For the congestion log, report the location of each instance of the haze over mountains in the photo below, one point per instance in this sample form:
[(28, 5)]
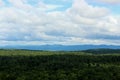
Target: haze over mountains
[(62, 47)]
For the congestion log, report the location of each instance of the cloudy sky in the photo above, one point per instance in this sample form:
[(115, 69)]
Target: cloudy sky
[(66, 22)]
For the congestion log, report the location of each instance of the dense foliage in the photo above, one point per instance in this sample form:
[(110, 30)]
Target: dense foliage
[(45, 65), (103, 51)]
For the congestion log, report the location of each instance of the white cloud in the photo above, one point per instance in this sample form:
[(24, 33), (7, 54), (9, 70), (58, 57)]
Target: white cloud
[(85, 10), (1, 3), (21, 4), (82, 23), (109, 1), (47, 7)]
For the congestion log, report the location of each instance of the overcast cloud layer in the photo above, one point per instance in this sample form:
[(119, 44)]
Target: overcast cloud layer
[(66, 22)]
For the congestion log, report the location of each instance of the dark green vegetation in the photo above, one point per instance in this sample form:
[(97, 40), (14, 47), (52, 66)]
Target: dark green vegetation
[(103, 51), (48, 65)]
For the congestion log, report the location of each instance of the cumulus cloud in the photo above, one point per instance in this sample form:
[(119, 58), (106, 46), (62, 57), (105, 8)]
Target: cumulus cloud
[(85, 10), (25, 24), (109, 1)]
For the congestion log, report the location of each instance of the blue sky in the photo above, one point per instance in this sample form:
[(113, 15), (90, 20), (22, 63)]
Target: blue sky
[(113, 7), (65, 22)]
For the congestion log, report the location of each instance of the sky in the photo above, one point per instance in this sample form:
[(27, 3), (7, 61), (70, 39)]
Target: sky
[(64, 22)]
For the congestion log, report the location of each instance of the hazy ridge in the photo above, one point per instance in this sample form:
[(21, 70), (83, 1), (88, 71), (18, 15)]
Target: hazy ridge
[(61, 47)]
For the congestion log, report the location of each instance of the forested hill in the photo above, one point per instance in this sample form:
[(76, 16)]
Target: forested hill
[(59, 65), (102, 51), (47, 52)]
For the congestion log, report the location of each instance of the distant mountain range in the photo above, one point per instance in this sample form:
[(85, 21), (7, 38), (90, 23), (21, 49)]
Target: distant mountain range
[(62, 47)]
